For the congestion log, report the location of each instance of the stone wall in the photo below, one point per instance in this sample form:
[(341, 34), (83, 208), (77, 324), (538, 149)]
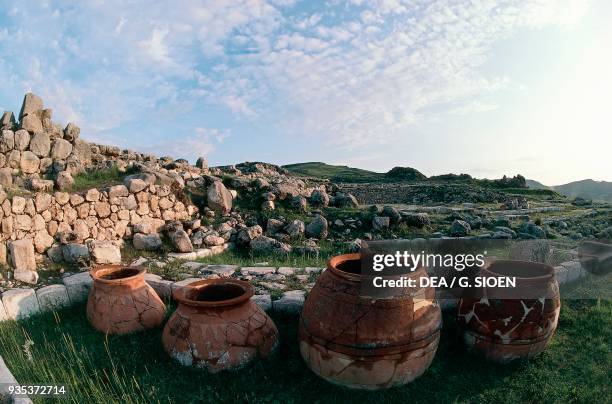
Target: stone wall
[(55, 222)]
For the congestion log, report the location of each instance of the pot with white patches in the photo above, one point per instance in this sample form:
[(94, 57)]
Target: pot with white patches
[(507, 323), (121, 302), (362, 342), (217, 326)]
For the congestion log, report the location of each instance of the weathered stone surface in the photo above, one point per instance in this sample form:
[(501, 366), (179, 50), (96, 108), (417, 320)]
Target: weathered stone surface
[(460, 228), (295, 229), (22, 140), (264, 245), (31, 104), (64, 180), (75, 253), (181, 241), (22, 255), (135, 185), (52, 297), (40, 144), (8, 120), (287, 271), (78, 286), (263, 301), (147, 242), (291, 302), (219, 198), (38, 185), (317, 228), (162, 287), (105, 252), (257, 271), (380, 223), (71, 132), (224, 271), (202, 163), (117, 191), (92, 195), (32, 123), (6, 177), (42, 241), (319, 198), (61, 149), (20, 303)]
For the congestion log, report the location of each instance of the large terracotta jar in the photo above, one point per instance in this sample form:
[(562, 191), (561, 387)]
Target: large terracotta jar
[(217, 326), (507, 323), (121, 302), (364, 342)]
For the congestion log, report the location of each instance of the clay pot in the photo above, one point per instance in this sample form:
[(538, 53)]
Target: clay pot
[(217, 326), (503, 329), (362, 342), (121, 302)]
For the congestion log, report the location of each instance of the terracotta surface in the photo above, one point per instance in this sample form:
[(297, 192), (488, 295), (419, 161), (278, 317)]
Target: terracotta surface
[(506, 329), (366, 343), (217, 327), (121, 302)]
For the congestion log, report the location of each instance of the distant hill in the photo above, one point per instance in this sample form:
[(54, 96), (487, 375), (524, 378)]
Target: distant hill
[(587, 189), (536, 185), (334, 173)]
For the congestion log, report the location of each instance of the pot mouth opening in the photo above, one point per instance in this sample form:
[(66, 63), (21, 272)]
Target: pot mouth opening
[(521, 269), (350, 266), (216, 292), (119, 273)]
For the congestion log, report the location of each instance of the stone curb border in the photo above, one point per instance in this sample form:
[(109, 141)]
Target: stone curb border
[(6, 377), (21, 303)]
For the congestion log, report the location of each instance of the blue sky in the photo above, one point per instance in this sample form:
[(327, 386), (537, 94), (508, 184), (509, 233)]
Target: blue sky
[(483, 87)]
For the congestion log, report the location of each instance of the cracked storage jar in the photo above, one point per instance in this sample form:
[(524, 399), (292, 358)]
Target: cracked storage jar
[(121, 302), (364, 342), (505, 324), (217, 326)]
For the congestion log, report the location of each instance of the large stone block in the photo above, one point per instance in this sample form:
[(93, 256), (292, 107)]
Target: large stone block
[(291, 302), (162, 287), (105, 252), (22, 255), (78, 286), (53, 297), (20, 303)]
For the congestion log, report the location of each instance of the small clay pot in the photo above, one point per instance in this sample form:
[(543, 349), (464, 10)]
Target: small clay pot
[(504, 324), (363, 342), (217, 326), (121, 302)]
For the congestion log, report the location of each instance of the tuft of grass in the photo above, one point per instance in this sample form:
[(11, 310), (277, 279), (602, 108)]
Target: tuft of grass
[(97, 179)]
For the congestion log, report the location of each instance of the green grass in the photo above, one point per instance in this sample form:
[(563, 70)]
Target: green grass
[(334, 173), (135, 368), (97, 179)]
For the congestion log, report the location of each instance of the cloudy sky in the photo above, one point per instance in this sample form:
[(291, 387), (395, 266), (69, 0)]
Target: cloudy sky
[(476, 86)]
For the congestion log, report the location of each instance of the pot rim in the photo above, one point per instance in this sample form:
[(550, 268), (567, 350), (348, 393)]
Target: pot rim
[(180, 294), (96, 273), (550, 271), (332, 266)]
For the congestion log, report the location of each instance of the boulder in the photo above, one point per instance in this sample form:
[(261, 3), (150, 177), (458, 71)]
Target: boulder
[(117, 191), (290, 302), (317, 228), (319, 198), (7, 141), (105, 252), (202, 163), (71, 132), (418, 220), (219, 198), (295, 229), (39, 185), (7, 121), (6, 177), (244, 236), (42, 241), (78, 286), (392, 213), (266, 245), (53, 297), (380, 223), (22, 255), (147, 242), (29, 163), (32, 123), (75, 253), (61, 149), (180, 240), (267, 206), (20, 303), (40, 144), (31, 104), (342, 200), (22, 140), (64, 180), (135, 185), (460, 228)]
